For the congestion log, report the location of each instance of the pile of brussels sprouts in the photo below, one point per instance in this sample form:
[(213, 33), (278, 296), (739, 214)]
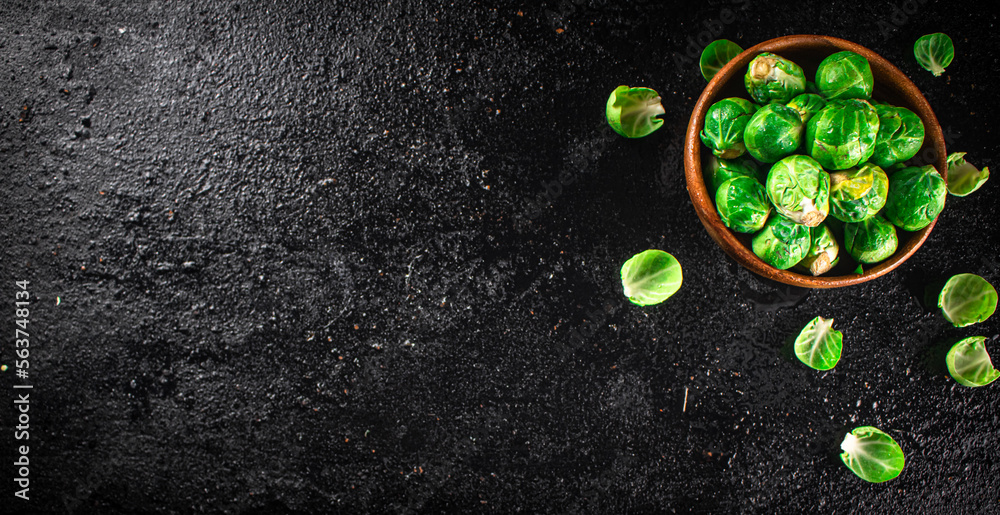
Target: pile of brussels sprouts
[(834, 177)]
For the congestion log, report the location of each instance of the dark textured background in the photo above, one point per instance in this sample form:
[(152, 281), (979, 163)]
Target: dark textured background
[(305, 262)]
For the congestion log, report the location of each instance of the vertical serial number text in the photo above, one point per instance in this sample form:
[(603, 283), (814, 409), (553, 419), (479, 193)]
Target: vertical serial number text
[(22, 344)]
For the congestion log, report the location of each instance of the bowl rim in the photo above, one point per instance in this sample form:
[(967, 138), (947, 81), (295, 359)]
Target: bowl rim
[(705, 206)]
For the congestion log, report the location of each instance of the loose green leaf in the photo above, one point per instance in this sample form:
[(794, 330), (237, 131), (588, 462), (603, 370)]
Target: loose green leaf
[(970, 364), (934, 52), (819, 344), (963, 177), (651, 277), (632, 112), (859, 270), (967, 299), (716, 55), (871, 454)]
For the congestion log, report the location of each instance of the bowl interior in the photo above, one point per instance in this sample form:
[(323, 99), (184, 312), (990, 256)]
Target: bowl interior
[(891, 86)]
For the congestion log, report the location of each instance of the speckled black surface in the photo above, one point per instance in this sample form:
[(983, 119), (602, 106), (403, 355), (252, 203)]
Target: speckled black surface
[(316, 257)]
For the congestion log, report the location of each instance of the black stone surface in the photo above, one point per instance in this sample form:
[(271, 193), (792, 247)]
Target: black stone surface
[(291, 257)]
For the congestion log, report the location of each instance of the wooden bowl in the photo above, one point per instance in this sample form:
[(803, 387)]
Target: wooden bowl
[(891, 86)]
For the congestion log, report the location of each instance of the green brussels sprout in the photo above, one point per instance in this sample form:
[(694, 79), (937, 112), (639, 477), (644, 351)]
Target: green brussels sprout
[(916, 197), (824, 251), (742, 204), (721, 170), (724, 123), (773, 132), (842, 134), (934, 52), (871, 240), (807, 104), (782, 243), (799, 188), (716, 55), (845, 75), (900, 135), (858, 193), (819, 345), (633, 112), (772, 78), (811, 87)]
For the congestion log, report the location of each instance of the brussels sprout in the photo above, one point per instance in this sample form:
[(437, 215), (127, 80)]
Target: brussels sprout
[(967, 299), (819, 344), (632, 112), (742, 204), (773, 132), (963, 177), (872, 455), (824, 252), (858, 193), (900, 135), (842, 134), (799, 188), (721, 170), (916, 197), (807, 104), (934, 52), (845, 75), (724, 124), (970, 364), (871, 240), (716, 55), (772, 78), (650, 277), (811, 87), (781, 243)]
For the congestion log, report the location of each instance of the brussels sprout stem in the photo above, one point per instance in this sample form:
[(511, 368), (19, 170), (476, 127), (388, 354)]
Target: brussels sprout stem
[(811, 216), (850, 444), (821, 265), (762, 68)]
